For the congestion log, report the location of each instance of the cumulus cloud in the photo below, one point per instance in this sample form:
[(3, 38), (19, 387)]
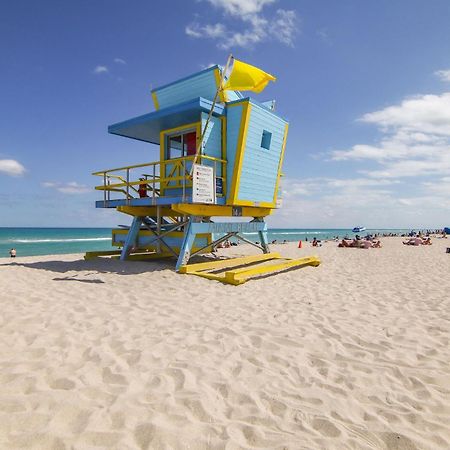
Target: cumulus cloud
[(11, 167), (415, 139), (250, 24), (119, 61), (67, 188), (424, 114), (100, 69)]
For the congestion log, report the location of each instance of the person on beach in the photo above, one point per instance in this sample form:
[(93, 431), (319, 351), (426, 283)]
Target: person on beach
[(12, 253), (413, 241)]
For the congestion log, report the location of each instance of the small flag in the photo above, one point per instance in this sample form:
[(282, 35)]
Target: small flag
[(245, 77)]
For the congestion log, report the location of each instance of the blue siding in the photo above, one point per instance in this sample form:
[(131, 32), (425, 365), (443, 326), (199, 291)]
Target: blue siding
[(202, 84), (212, 141), (234, 115), (260, 166)]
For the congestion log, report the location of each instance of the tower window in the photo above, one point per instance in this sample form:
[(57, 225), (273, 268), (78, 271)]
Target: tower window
[(265, 140), (179, 145)]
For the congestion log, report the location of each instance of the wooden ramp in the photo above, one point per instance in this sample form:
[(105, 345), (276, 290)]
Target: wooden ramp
[(239, 270)]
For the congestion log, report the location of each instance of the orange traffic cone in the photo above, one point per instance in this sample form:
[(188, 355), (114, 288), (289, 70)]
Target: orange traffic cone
[(299, 244)]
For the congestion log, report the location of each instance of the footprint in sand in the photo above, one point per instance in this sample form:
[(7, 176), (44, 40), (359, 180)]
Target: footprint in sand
[(62, 383), (143, 435), (326, 428), (113, 378)]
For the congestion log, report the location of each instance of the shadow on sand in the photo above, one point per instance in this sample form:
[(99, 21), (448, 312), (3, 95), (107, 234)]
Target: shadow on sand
[(97, 266), (102, 265)]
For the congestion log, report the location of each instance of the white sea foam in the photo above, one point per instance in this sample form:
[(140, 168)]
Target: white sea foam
[(38, 241), (271, 232)]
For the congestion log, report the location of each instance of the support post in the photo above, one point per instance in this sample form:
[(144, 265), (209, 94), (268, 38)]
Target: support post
[(188, 242), (263, 239), (131, 237), (158, 227)]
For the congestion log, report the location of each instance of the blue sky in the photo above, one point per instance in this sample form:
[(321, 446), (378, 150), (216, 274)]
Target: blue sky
[(365, 86)]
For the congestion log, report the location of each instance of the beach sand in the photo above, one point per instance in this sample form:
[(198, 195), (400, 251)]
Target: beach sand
[(107, 355)]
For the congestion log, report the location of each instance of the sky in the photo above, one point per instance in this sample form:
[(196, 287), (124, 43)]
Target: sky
[(365, 86)]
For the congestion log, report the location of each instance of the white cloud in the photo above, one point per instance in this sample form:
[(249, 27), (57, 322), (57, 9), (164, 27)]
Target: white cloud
[(241, 7), (67, 188), (440, 187), (100, 69), (423, 114), (284, 27), (444, 75), (255, 27), (11, 167), (346, 202), (119, 61), (415, 139), (210, 31), (194, 30)]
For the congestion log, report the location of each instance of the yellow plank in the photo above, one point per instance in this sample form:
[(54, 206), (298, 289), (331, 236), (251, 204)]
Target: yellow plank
[(92, 255), (241, 275), (142, 211), (145, 256), (224, 263), (218, 210)]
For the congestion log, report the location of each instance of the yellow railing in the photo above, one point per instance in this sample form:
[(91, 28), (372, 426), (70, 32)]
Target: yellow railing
[(159, 177)]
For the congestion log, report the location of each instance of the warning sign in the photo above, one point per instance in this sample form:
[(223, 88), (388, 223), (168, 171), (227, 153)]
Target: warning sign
[(203, 184)]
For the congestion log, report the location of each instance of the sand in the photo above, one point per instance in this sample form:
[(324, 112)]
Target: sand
[(109, 355)]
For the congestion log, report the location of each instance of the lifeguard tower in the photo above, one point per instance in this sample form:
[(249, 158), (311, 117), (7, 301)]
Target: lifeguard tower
[(220, 156)]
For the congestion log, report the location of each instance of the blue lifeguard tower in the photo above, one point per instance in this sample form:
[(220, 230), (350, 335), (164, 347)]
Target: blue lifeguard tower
[(220, 156)]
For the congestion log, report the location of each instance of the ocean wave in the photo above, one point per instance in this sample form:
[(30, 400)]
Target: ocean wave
[(40, 241)]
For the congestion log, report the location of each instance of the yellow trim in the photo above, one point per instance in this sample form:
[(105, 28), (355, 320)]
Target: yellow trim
[(240, 149), (142, 211), (192, 209), (254, 204), (223, 121), (162, 144), (155, 100), (280, 164), (222, 94)]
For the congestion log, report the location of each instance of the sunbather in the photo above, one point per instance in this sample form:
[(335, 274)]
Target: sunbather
[(413, 241)]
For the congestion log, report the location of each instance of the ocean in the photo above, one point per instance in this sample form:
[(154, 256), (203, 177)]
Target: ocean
[(52, 241)]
